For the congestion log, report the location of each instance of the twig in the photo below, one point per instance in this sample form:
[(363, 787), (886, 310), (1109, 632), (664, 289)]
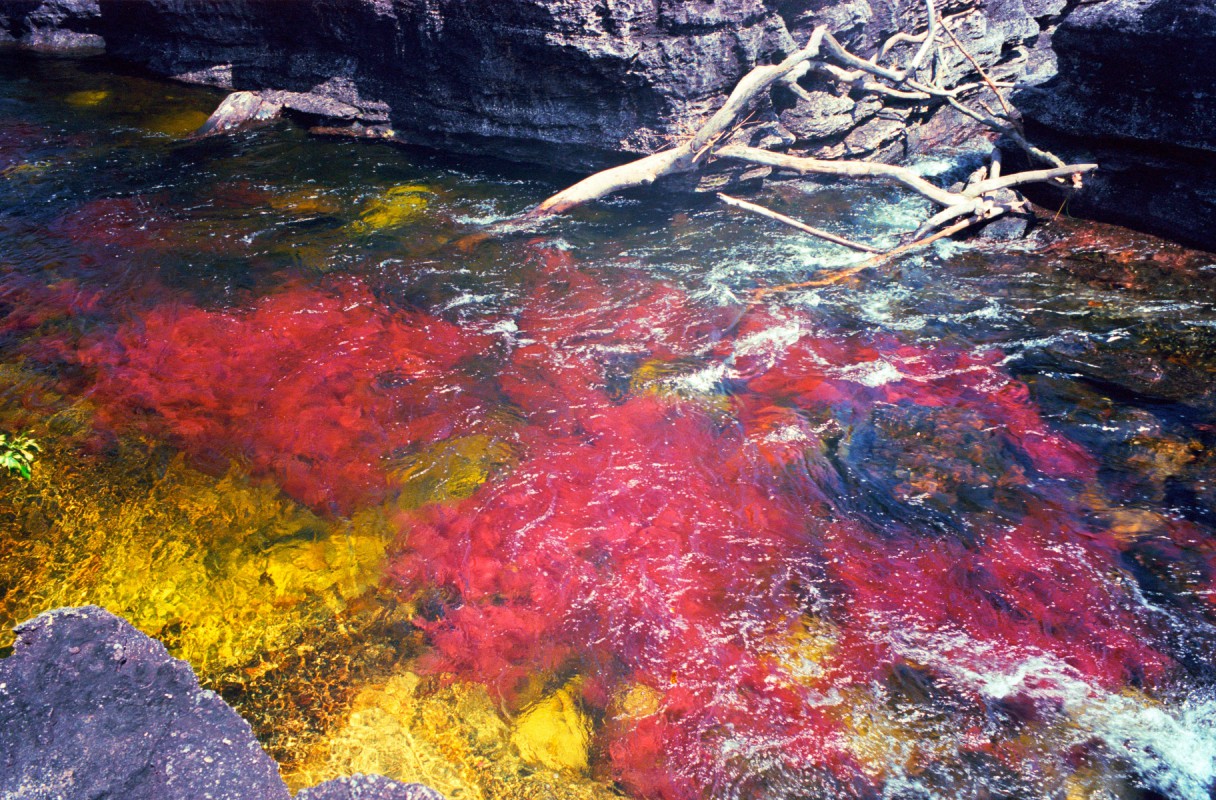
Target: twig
[(881, 258), (979, 69), (793, 223)]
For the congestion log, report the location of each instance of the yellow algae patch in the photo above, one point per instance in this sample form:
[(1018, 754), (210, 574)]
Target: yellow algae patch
[(638, 702), (555, 732), (452, 737), (450, 470), (177, 123), (804, 653), (392, 209), (87, 98), (25, 169), (221, 569), (305, 203)]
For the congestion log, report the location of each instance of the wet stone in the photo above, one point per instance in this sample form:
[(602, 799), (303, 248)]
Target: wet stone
[(91, 707), (368, 787), (935, 466)]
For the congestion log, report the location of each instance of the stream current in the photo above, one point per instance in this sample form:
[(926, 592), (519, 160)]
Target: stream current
[(572, 514)]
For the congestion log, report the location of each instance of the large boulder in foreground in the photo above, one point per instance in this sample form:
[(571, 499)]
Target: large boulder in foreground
[(91, 708)]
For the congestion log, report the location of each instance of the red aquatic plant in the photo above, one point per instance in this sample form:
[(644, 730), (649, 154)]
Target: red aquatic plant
[(640, 535), (313, 387), (127, 224), (651, 539)]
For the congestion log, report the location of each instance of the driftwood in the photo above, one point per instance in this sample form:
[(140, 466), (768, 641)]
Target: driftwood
[(981, 200), (793, 223)]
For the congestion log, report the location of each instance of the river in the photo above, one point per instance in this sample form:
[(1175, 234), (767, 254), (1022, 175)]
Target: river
[(577, 513)]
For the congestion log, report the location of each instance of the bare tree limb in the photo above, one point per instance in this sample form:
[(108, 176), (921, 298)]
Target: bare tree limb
[(878, 260), (1032, 176), (974, 203), (793, 223), (804, 165), (946, 215), (928, 44), (684, 157), (642, 172), (976, 65), (749, 89)]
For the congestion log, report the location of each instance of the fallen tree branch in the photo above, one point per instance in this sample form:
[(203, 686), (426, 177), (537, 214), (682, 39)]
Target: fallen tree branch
[(1031, 176), (686, 156), (841, 274), (973, 204), (980, 70), (805, 165), (793, 223)]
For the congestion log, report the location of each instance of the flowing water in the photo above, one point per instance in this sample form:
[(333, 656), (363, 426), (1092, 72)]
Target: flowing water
[(573, 514)]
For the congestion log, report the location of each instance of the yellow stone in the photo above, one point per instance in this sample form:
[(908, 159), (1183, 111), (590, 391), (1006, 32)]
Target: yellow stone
[(177, 124), (451, 736), (392, 209), (87, 98), (639, 701), (555, 732)]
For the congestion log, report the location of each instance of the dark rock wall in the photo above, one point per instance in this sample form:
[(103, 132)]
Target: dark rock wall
[(584, 83), (574, 83), (1136, 92)]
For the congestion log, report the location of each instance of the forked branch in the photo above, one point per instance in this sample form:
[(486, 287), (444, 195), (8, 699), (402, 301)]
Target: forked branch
[(823, 52)]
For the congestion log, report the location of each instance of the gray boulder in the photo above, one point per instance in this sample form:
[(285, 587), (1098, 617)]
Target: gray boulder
[(92, 708)]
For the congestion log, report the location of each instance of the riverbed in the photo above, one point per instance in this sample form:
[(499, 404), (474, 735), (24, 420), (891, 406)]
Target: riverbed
[(579, 512)]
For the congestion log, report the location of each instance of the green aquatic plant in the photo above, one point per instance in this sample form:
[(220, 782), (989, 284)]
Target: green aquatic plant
[(17, 453)]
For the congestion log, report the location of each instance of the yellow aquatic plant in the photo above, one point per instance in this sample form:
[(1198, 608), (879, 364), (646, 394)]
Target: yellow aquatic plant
[(222, 569), (456, 738), (392, 209), (450, 470)]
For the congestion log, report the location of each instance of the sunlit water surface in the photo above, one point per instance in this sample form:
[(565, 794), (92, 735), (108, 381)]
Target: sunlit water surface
[(569, 514)]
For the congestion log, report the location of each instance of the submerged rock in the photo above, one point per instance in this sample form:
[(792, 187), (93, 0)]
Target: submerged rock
[(91, 707), (368, 787)]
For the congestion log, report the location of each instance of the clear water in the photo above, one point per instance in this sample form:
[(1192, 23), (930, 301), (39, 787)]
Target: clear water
[(573, 514)]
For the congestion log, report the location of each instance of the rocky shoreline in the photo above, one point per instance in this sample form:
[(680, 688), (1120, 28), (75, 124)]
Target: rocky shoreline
[(581, 84)]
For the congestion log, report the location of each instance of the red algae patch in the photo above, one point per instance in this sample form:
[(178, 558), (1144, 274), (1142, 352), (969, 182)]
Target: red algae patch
[(313, 387)]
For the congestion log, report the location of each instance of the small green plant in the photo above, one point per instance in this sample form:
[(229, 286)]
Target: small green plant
[(17, 453)]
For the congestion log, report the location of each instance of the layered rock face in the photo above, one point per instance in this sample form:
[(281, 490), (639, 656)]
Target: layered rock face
[(570, 83), (581, 84), (1136, 91)]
